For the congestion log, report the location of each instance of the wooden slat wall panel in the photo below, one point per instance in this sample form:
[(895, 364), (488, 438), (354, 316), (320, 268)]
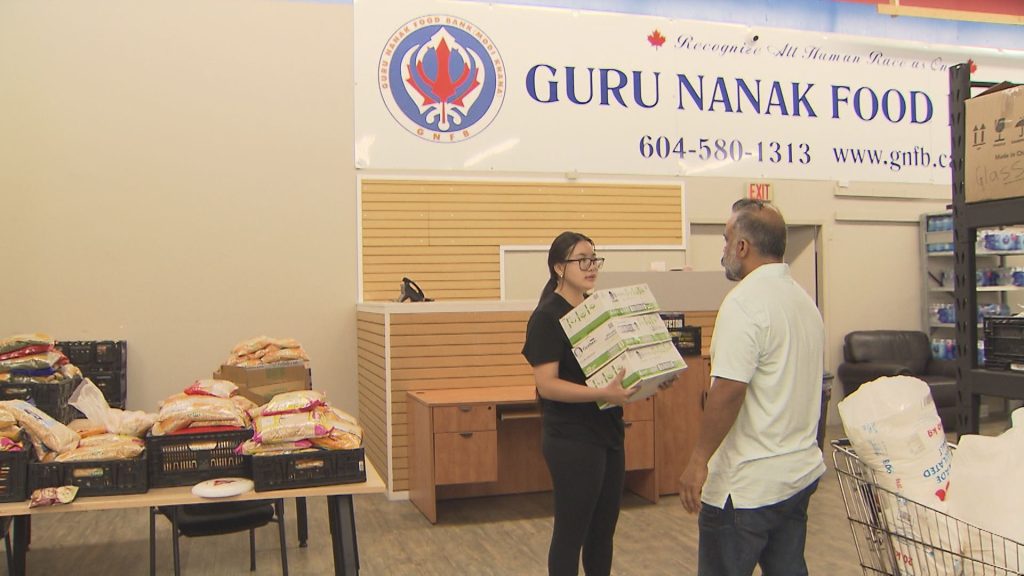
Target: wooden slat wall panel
[(446, 235), (372, 380)]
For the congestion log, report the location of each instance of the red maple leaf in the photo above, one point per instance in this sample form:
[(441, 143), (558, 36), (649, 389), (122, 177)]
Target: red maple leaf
[(656, 39)]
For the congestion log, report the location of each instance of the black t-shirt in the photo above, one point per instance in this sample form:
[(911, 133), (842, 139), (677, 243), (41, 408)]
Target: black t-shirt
[(546, 342)]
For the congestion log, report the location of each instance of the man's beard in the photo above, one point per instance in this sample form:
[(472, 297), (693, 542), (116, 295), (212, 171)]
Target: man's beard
[(732, 269)]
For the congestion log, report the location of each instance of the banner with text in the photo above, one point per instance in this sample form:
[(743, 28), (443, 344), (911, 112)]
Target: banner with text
[(465, 86)]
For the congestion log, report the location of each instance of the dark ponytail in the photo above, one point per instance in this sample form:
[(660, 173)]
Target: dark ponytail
[(561, 248)]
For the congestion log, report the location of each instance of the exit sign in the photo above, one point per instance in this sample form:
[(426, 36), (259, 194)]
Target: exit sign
[(760, 191)]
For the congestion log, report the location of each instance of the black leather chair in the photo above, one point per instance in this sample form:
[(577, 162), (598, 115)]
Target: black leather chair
[(871, 354), (197, 520)]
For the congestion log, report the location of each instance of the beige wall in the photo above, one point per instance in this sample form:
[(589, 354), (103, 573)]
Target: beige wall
[(870, 253), (179, 174)]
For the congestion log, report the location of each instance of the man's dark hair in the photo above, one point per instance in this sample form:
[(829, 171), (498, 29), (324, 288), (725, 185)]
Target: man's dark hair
[(761, 224)]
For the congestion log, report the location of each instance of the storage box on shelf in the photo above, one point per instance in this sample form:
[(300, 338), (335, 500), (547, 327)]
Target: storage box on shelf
[(1004, 343), (51, 398), (97, 478), (1000, 274), (186, 459), (13, 476), (320, 468), (991, 162), (105, 362)]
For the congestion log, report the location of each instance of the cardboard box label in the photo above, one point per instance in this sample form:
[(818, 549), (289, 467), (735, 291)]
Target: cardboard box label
[(994, 155), (602, 305), (646, 368), (617, 335)]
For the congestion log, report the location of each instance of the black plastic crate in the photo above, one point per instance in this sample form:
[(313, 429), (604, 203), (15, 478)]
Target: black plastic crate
[(97, 478), (101, 354), (114, 385), (51, 398), (186, 459), (13, 476), (1004, 343), (303, 469)]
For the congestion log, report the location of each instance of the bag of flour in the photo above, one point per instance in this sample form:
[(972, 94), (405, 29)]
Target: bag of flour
[(896, 431)]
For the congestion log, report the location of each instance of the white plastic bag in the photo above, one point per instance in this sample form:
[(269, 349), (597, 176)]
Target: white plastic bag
[(986, 493), (90, 401), (895, 429)]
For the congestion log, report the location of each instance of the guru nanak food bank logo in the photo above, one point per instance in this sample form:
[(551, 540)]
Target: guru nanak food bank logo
[(442, 78)]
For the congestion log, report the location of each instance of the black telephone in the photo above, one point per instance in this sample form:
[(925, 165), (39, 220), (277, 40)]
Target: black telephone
[(412, 293)]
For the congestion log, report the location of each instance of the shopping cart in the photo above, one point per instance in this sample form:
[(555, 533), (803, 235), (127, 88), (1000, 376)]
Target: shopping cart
[(899, 537)]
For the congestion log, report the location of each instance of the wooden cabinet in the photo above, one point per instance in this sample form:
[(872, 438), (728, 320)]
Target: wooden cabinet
[(456, 443), (465, 444), (678, 416), (484, 441), (639, 420)]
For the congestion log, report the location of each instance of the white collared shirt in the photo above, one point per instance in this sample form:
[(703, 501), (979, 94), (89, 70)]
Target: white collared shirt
[(768, 334)]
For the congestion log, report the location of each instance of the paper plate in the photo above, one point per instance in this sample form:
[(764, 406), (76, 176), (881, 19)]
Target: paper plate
[(222, 487)]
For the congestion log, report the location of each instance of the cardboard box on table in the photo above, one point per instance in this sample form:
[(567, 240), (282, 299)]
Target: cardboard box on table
[(994, 144), (646, 368), (261, 383)]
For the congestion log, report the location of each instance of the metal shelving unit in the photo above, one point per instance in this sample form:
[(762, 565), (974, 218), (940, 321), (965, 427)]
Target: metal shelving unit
[(967, 220), (938, 286)]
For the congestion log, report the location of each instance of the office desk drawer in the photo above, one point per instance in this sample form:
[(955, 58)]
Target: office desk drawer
[(465, 457), (640, 445), (464, 418)]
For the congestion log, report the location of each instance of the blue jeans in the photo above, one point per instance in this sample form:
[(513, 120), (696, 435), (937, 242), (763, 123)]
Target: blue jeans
[(733, 541)]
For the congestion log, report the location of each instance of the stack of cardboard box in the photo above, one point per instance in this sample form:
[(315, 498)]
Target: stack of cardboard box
[(620, 329)]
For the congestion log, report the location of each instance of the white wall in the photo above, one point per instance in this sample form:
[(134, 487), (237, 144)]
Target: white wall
[(870, 253), (179, 174)]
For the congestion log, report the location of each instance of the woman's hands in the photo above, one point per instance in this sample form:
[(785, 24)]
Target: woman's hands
[(614, 393)]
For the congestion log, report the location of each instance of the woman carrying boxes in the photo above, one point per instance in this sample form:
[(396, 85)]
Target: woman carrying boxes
[(582, 444)]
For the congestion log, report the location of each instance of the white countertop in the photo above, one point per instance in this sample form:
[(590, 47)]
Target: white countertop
[(447, 306)]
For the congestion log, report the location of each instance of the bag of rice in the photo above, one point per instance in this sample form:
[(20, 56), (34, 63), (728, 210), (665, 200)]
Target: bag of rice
[(895, 429), (42, 427)]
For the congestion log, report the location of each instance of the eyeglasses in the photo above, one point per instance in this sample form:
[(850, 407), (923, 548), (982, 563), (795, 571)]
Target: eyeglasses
[(588, 263)]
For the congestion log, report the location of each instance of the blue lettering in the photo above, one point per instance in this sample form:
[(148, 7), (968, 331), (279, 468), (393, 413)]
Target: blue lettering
[(720, 96), (743, 90), (836, 98), (800, 99), (638, 90), (616, 89), (531, 84), (914, 118), (776, 99), (887, 108), (697, 98), (858, 103), (570, 85)]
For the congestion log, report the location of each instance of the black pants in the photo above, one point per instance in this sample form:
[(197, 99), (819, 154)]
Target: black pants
[(588, 481)]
